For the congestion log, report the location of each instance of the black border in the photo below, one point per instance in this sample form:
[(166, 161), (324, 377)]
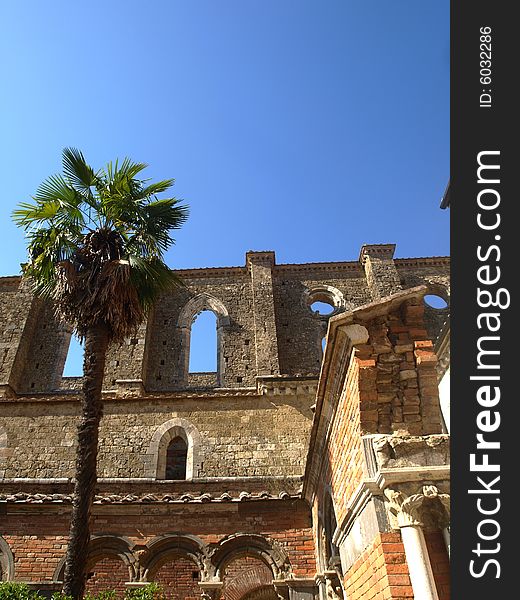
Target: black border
[(475, 129)]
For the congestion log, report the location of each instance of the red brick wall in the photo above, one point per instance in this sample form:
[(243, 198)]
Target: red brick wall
[(440, 563), (345, 468), (38, 539), (109, 573), (179, 579), (380, 572)]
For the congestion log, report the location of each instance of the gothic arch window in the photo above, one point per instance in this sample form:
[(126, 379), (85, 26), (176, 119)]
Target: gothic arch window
[(188, 314), (175, 449), (176, 458), (73, 365), (203, 343)]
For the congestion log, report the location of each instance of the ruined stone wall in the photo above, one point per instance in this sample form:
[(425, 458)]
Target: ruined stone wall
[(18, 314), (265, 325)]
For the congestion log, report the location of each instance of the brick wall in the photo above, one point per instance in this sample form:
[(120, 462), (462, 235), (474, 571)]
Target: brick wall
[(38, 536), (107, 573), (244, 575), (178, 577), (381, 572), (398, 387), (440, 562)]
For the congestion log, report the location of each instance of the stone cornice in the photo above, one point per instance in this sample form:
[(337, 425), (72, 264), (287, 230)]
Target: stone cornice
[(204, 272), (132, 390), (427, 261), (151, 491)]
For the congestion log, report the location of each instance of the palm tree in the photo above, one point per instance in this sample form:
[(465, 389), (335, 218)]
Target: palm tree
[(96, 242)]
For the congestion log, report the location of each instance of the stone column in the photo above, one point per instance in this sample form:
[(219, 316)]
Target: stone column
[(378, 262), (421, 574), (406, 511), (260, 266)]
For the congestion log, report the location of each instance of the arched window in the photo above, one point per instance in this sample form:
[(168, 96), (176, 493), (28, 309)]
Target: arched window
[(176, 459), (203, 343), (331, 550), (202, 303), (175, 451)]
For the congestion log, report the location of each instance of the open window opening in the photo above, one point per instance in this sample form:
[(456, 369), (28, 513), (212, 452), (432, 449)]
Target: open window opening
[(176, 459), (203, 343), (74, 361)]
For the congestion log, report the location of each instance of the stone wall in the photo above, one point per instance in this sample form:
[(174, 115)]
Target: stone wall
[(265, 325), (238, 435)]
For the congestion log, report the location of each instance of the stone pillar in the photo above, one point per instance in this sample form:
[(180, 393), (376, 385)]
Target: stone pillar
[(421, 574), (260, 266), (406, 512), (447, 540), (380, 271)]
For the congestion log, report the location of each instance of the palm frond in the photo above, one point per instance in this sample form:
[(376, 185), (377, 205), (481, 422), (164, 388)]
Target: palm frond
[(157, 188), (151, 277), (78, 172), (96, 242)]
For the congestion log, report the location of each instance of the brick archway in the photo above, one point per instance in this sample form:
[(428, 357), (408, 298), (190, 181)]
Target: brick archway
[(265, 593), (245, 576)]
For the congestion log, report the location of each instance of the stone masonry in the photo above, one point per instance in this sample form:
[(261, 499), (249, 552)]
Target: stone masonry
[(239, 525)]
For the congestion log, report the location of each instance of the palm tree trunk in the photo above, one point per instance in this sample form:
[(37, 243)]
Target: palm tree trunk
[(96, 345)]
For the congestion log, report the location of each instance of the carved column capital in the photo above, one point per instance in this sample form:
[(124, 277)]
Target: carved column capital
[(139, 570), (406, 509)]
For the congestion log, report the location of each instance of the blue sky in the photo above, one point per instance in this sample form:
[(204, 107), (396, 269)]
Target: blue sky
[(304, 127)]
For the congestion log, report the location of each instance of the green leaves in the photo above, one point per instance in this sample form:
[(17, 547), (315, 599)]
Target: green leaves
[(77, 217)]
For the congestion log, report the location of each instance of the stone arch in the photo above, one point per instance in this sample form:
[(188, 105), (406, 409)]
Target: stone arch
[(241, 544), (6, 561), (105, 546), (263, 593), (250, 580), (155, 458), (189, 311), (164, 547), (324, 293)]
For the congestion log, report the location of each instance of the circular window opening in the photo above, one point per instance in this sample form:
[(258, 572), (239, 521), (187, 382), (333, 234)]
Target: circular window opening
[(322, 308), (434, 301)]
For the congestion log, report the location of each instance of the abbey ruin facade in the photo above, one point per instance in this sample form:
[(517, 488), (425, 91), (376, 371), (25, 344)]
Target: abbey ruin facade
[(291, 472)]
